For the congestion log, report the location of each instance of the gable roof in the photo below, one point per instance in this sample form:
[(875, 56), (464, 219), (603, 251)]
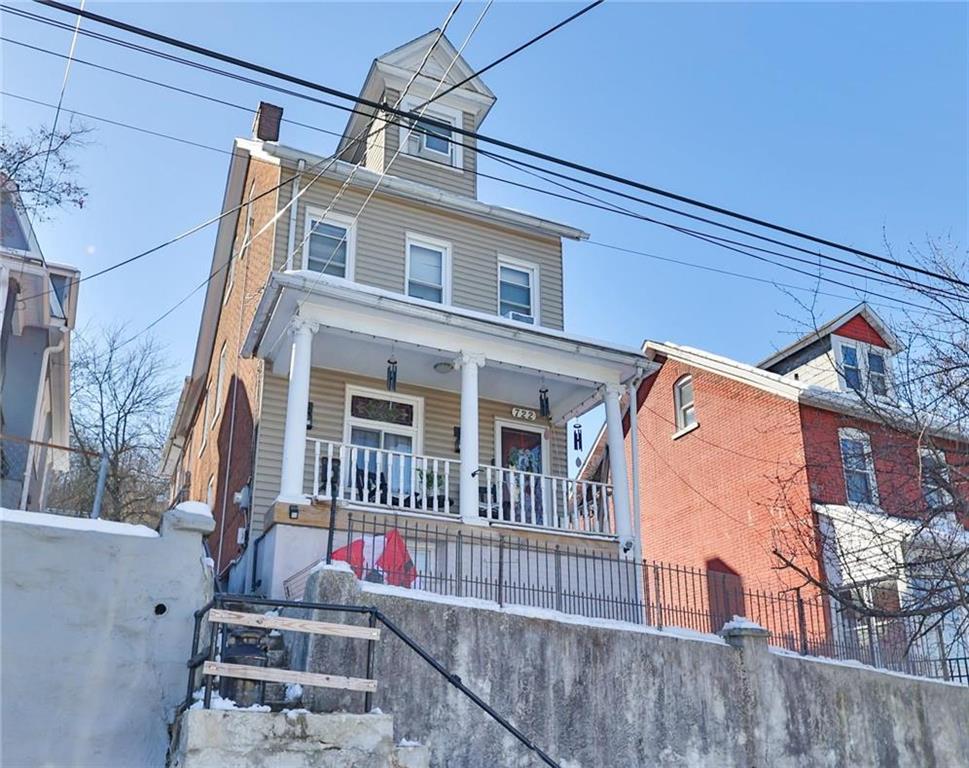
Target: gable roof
[(395, 68), (859, 311), (16, 232)]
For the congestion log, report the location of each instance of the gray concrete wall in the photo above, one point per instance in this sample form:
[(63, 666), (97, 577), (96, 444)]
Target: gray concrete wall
[(595, 695), (92, 666)]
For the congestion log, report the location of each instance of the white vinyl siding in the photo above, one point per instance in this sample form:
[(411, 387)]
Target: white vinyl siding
[(380, 242)]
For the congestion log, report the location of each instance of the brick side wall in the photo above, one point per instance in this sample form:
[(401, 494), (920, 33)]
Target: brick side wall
[(228, 445), (895, 456), (710, 497)]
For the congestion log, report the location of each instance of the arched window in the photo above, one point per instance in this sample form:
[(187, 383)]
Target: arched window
[(683, 402)]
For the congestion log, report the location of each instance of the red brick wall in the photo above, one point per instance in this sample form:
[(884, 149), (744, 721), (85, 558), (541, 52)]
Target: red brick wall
[(895, 457), (721, 495), (251, 272), (859, 329)]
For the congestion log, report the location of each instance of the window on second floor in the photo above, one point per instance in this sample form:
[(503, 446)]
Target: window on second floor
[(428, 269), (934, 472), (858, 466), (330, 243), (220, 382), (518, 291), (683, 403)]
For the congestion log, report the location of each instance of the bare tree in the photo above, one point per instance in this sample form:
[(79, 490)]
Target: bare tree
[(40, 163), (917, 535), (122, 396)]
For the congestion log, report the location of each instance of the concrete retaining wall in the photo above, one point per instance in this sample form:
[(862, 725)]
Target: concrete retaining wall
[(598, 696), (96, 627)]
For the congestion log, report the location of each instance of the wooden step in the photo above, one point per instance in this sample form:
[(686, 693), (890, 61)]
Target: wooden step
[(239, 618), (269, 675)]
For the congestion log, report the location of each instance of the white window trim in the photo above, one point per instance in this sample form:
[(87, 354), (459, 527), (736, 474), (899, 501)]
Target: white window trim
[(529, 266), (413, 238), (416, 431), (849, 433), (220, 381), (523, 427), (338, 219), (205, 420), (862, 348), (443, 114), (681, 426)]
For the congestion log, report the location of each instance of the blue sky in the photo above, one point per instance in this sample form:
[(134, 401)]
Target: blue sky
[(846, 120)]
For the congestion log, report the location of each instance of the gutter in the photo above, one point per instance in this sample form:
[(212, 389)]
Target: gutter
[(44, 365)]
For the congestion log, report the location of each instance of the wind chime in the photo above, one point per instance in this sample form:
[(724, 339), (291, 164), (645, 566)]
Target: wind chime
[(392, 372), (543, 406), (577, 436)]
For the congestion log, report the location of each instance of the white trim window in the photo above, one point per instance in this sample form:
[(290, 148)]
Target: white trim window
[(205, 421), (427, 273), (863, 367), (934, 474), (518, 290), (330, 243), (431, 141), (858, 466), (220, 382), (683, 403), (386, 420)]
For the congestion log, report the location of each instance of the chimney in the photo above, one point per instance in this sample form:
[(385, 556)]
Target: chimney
[(266, 125)]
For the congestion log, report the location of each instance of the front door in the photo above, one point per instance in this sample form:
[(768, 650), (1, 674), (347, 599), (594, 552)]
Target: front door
[(522, 450)]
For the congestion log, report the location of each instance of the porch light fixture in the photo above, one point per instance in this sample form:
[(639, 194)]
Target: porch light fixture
[(444, 366), (577, 436), (457, 439), (543, 407), (293, 512), (392, 374), (309, 416)]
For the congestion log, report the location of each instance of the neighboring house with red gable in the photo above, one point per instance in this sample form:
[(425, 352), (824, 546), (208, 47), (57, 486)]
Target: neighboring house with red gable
[(807, 455)]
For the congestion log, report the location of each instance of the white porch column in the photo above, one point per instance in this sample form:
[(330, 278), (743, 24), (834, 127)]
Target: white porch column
[(297, 402), (617, 462), (469, 363)]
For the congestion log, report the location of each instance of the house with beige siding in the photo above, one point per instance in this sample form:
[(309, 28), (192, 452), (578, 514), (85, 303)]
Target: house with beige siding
[(377, 343)]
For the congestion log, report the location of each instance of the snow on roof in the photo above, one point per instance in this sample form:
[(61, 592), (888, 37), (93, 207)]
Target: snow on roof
[(75, 523)]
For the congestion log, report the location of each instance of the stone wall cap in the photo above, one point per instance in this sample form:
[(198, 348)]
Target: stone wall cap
[(188, 516)]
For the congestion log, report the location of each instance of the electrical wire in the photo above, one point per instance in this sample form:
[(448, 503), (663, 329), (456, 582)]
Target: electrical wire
[(303, 82)]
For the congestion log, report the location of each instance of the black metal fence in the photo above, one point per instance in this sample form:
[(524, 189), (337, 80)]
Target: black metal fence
[(601, 584)]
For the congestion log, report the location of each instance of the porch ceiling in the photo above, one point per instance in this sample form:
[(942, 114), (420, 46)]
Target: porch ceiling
[(359, 328)]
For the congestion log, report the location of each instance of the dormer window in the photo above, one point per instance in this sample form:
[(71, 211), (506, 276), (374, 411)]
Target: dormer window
[(862, 367), (430, 138)]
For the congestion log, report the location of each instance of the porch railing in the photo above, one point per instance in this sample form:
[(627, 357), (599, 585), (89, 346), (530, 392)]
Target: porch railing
[(545, 501), (378, 477)]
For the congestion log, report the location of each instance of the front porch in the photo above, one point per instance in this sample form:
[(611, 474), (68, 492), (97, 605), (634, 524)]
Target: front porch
[(397, 406)]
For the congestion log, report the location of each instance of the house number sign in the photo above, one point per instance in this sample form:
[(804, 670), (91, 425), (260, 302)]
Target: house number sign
[(525, 414)]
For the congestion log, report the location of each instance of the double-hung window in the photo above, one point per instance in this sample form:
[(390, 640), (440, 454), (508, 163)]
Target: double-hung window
[(518, 291), (330, 244), (877, 375), (850, 366), (435, 137), (934, 472), (220, 382), (683, 403), (428, 269), (858, 466), (863, 368), (432, 136)]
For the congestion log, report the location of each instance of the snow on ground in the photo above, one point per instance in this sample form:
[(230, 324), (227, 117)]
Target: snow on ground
[(855, 664), (219, 703), (75, 523), (741, 622), (294, 691), (538, 613)]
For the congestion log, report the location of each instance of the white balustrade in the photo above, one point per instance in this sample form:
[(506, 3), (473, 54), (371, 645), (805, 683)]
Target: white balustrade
[(378, 477), (545, 501), (392, 479)]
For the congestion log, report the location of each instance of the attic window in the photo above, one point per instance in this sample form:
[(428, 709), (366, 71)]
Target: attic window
[(11, 232), (431, 138), (876, 373), (851, 370)]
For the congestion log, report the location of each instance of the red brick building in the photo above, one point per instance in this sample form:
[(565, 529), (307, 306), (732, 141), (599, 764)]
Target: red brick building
[(737, 462)]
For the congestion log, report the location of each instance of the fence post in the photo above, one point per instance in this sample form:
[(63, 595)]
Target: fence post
[(459, 565), (871, 641), (659, 596), (558, 578), (99, 489), (501, 567), (942, 657), (801, 622), (368, 696), (331, 528)]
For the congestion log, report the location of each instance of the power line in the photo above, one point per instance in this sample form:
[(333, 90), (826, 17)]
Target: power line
[(303, 82), (904, 281), (508, 55)]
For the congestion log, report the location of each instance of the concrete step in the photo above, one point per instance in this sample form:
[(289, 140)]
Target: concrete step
[(411, 756)]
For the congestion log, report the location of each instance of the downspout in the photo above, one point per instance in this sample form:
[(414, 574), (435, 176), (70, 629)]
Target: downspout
[(292, 215), (44, 363)]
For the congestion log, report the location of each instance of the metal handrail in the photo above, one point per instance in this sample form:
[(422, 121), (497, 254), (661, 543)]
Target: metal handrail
[(199, 657)]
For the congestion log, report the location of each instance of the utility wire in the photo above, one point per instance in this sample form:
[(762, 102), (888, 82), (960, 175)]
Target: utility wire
[(430, 121), (278, 74), (508, 55)]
